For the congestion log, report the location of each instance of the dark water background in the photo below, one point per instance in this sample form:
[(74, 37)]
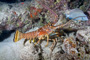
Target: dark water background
[(5, 34), (11, 1)]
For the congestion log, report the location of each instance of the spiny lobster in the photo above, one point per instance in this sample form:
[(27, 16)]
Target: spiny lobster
[(40, 33)]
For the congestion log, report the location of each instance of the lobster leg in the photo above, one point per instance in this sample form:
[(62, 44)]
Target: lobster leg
[(47, 40), (38, 40), (33, 40), (53, 42), (24, 42), (30, 41)]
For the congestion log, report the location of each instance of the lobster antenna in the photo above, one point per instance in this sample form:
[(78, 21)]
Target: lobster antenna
[(78, 17)]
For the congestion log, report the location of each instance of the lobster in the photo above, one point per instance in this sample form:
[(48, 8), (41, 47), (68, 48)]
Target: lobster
[(41, 33)]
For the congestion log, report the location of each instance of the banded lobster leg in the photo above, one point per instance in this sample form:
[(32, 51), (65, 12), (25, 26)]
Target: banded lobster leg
[(41, 37), (38, 40), (27, 40), (47, 40)]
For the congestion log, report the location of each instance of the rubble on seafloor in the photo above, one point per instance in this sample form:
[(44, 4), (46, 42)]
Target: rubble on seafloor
[(72, 42)]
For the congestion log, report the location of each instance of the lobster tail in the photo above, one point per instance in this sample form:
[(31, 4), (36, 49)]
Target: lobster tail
[(17, 36)]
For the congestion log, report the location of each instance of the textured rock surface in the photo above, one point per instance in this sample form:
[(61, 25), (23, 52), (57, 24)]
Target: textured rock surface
[(83, 35), (17, 16), (29, 53)]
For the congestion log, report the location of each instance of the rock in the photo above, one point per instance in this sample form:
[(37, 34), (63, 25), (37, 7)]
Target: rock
[(83, 35), (69, 46), (29, 53), (17, 51), (47, 52), (76, 13)]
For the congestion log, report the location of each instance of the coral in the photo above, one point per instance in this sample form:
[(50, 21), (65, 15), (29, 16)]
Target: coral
[(17, 17), (82, 4), (69, 45), (54, 7)]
